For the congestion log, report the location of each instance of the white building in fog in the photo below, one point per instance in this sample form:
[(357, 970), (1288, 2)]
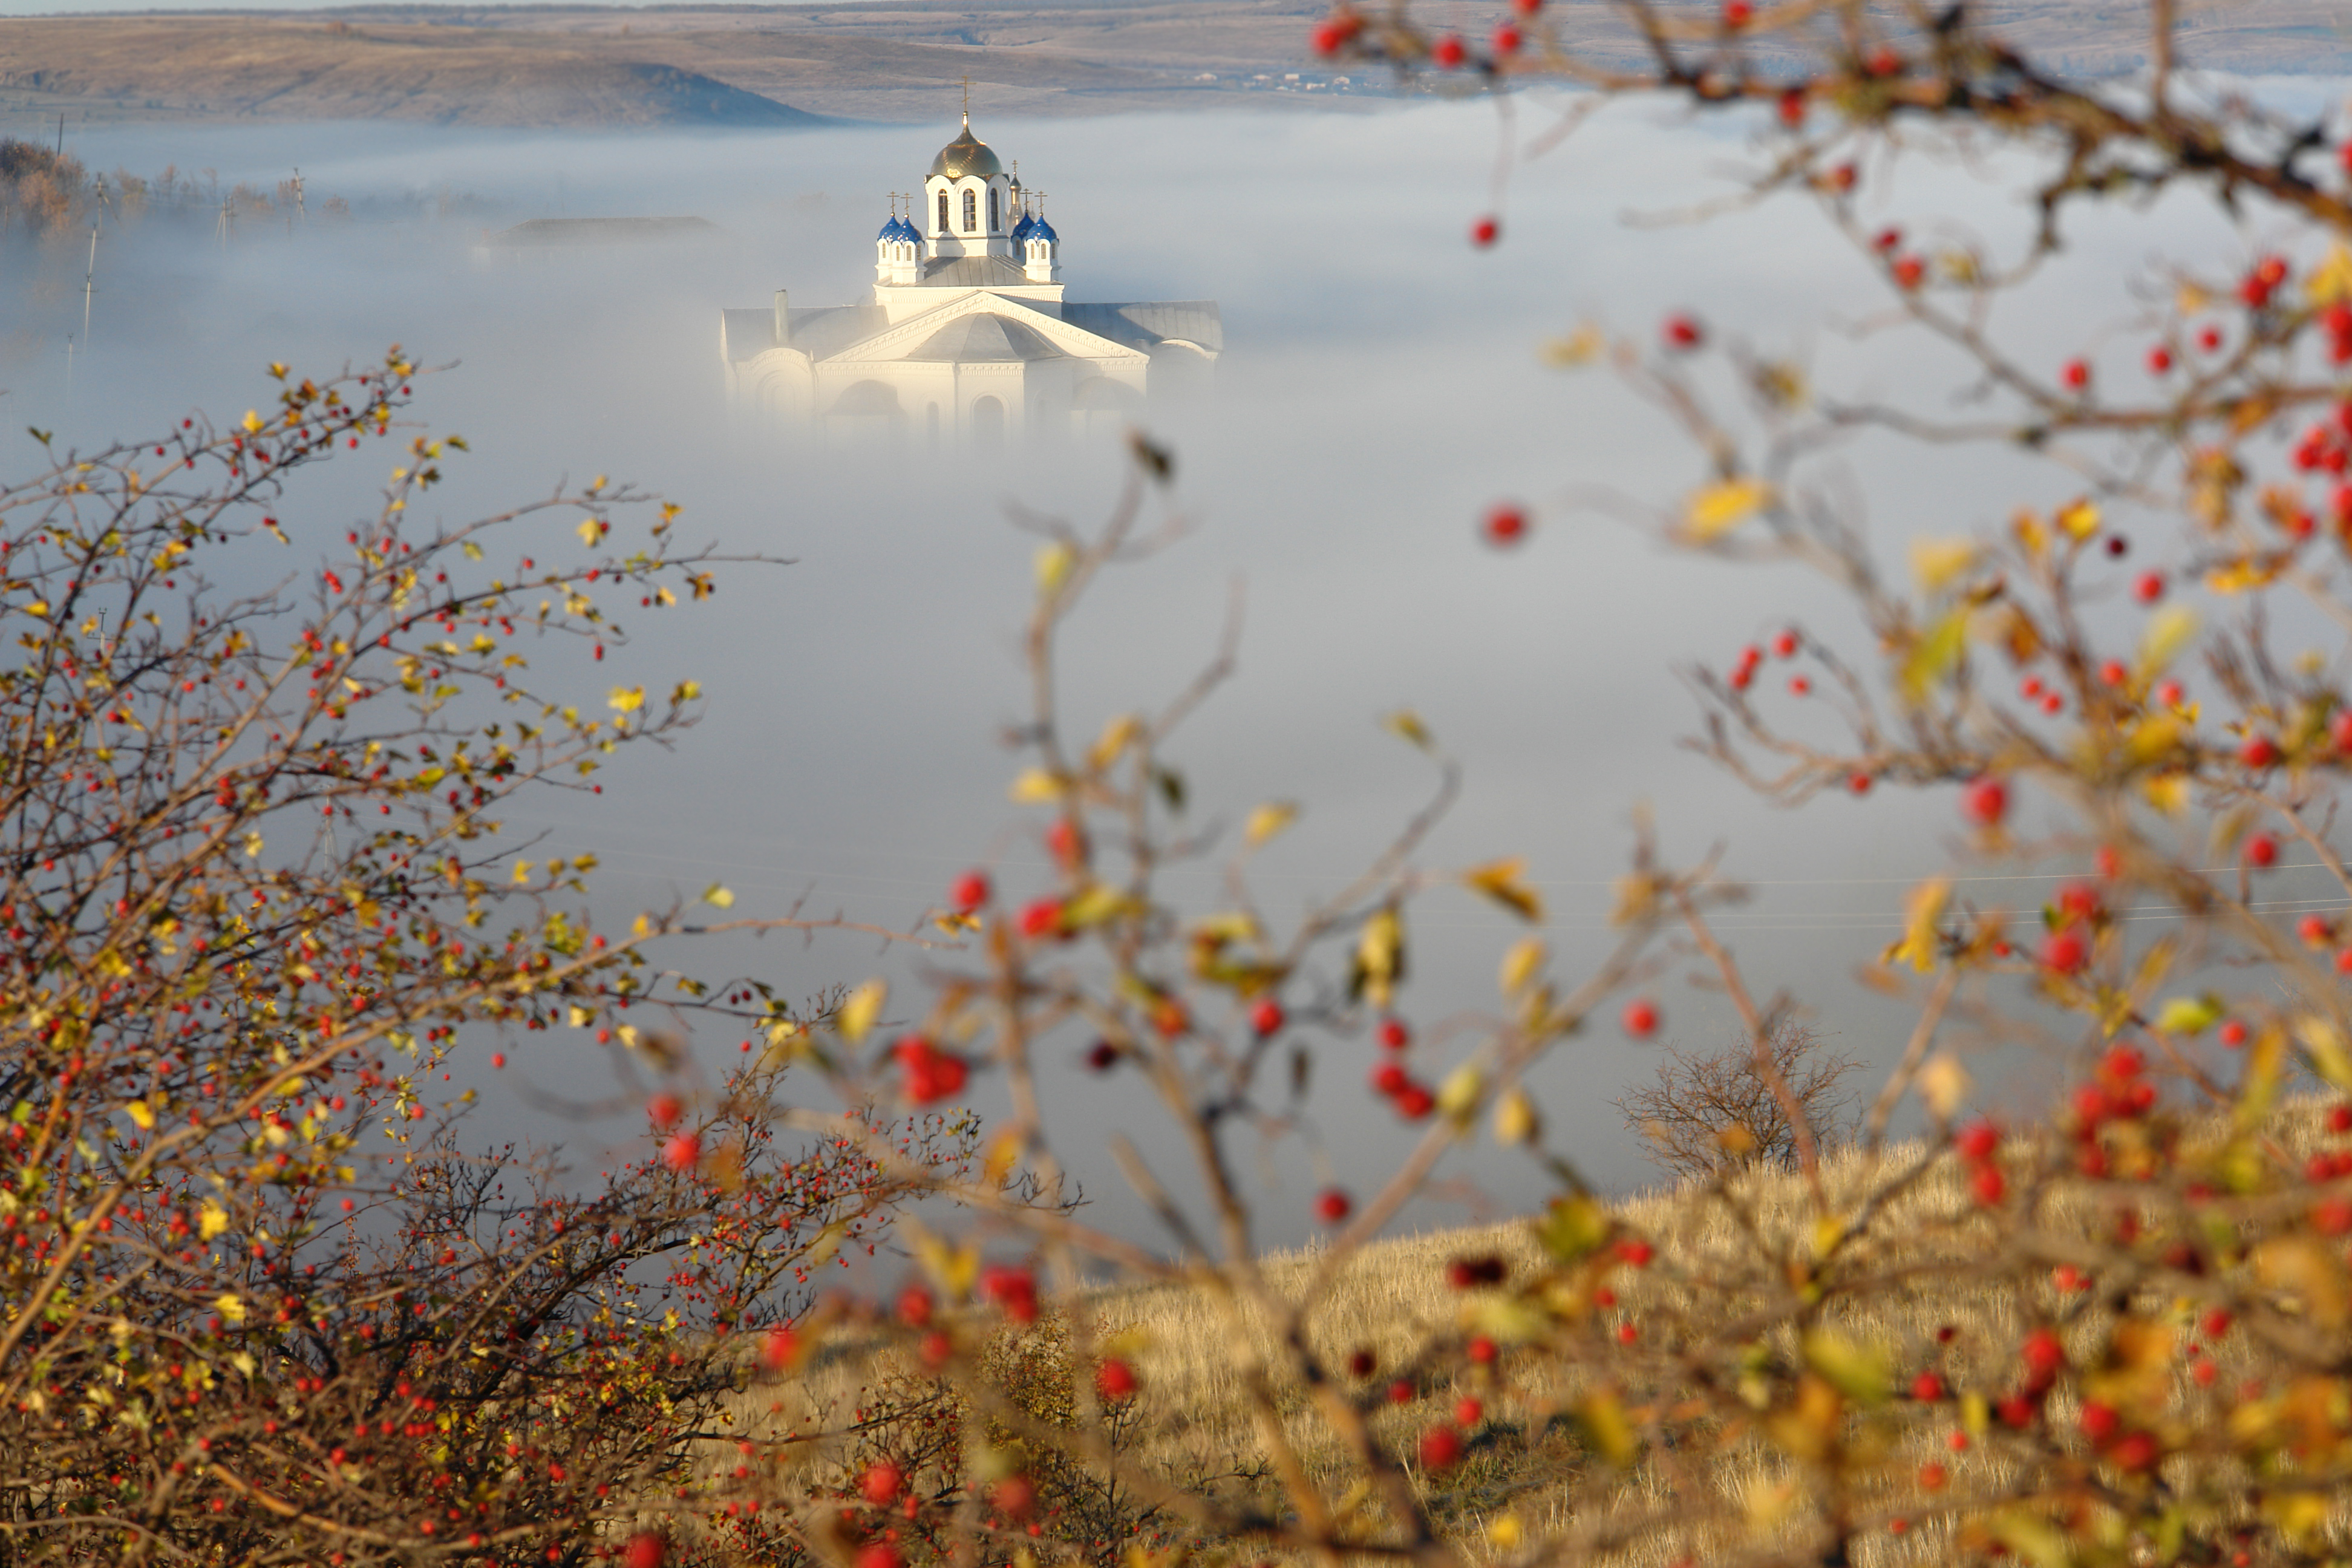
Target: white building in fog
[(967, 340)]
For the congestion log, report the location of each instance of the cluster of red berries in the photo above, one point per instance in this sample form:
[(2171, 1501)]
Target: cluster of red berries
[(1013, 1290), (1907, 268), (1742, 674), (2073, 923), (1979, 1145), (2118, 1093), (928, 1074), (1413, 1100)]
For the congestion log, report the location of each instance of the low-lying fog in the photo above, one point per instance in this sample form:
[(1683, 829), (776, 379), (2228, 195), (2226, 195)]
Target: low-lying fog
[(1380, 387)]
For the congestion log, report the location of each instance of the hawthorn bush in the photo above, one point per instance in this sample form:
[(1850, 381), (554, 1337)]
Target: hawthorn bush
[(2117, 1333), (262, 1303)]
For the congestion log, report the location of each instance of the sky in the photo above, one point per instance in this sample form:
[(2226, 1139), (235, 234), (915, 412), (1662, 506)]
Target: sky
[(1381, 388)]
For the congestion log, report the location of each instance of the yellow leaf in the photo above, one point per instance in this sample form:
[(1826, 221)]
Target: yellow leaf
[(1459, 1094), (2189, 299), (2168, 793), (1405, 723), (2078, 519), (37, 607), (1521, 965), (1505, 882), (627, 699), (1923, 911), (252, 423), (1935, 655), (1379, 957), (1116, 736), (1516, 1119), (1861, 1373), (1606, 1431), (719, 895), (2154, 738), (1944, 1085), (1268, 820), (1053, 563), (1502, 1532), (211, 1220), (859, 1009), (2240, 575), (2331, 280), (230, 1307), (1719, 509), (1935, 562), (138, 1112), (589, 531), (1580, 347), (2328, 1055), (1097, 904), (2189, 1015), (2168, 631), (1035, 786)]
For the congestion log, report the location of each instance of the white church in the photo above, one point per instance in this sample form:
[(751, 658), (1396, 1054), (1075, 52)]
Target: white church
[(966, 341)]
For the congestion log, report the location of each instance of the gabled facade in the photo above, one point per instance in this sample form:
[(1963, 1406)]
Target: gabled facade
[(966, 341)]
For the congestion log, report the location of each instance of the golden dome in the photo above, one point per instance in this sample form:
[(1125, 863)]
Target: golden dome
[(967, 154)]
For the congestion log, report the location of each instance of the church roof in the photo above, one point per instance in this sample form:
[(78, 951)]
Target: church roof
[(984, 336), (1143, 325), (1041, 229), (1020, 231), (974, 272), (967, 154)]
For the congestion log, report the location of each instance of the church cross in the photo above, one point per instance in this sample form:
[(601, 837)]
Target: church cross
[(967, 103)]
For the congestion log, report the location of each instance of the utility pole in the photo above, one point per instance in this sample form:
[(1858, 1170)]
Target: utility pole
[(88, 282)]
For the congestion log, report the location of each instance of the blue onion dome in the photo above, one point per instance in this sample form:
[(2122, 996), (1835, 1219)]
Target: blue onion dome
[(1041, 229), (1020, 231), (967, 154), (907, 231), (890, 230)]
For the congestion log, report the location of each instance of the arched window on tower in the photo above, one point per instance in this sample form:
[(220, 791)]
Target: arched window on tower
[(971, 210), (943, 212), (992, 223)]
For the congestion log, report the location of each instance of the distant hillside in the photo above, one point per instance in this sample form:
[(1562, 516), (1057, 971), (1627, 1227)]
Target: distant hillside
[(902, 60), (267, 67)]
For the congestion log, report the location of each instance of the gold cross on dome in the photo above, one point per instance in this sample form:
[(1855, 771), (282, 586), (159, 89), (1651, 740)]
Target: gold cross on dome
[(967, 103)]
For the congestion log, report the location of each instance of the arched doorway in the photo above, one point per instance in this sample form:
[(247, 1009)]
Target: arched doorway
[(988, 423)]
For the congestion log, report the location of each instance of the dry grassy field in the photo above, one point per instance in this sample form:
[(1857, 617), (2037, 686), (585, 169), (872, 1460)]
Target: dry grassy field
[(1529, 1469)]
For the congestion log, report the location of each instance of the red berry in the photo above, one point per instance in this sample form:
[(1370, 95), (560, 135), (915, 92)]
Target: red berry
[(1392, 1035), (1792, 107), (1013, 1497), (2149, 588), (2339, 730), (2233, 1033), (1328, 37), (1927, 1387), (2113, 673), (1786, 645), (1482, 1350), (1505, 525), (1798, 686), (1391, 1079), (2209, 340), (1333, 1205), (646, 1549), (1986, 801), (1267, 1017), (1115, 1381), (776, 1348), (2159, 360), (2064, 951), (1932, 1476), (2076, 375), (1682, 333), (1102, 1056), (498, 1059), (1468, 1411), (2169, 693), (880, 1555), (1488, 230), (1526, 7), (915, 1307), (2135, 1451), (969, 891), (1738, 13), (1909, 272), (682, 1152), (1978, 1140), (1447, 52), (1859, 784), (1507, 42), (1641, 1019), (2261, 851), (1440, 1448), (2339, 1118), (2043, 1355), (2259, 752), (1400, 1392), (1987, 1185), (664, 1109), (881, 1482), (1042, 917), (1414, 1101), (2100, 1422)]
